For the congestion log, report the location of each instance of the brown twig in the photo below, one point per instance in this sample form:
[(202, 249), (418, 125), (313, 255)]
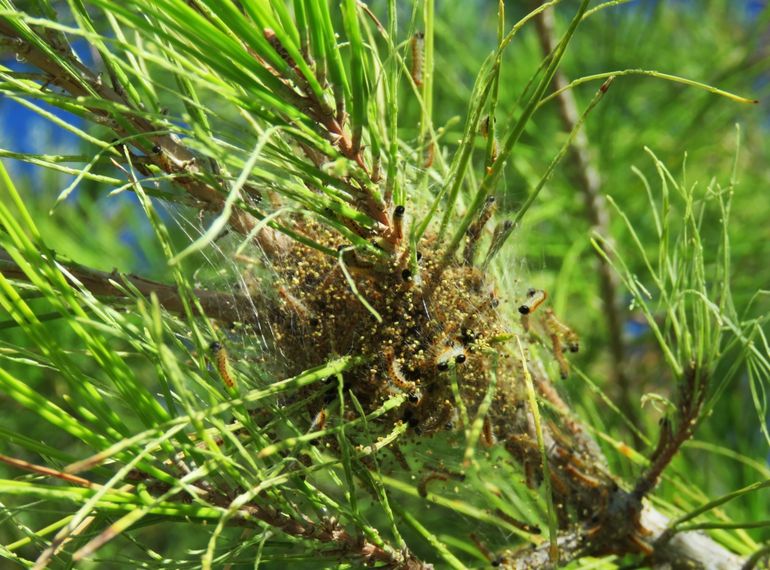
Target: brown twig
[(47, 471), (174, 158), (328, 530), (226, 307), (670, 439), (612, 520), (332, 126)]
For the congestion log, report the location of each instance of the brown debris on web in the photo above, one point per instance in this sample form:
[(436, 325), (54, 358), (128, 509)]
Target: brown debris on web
[(412, 350)]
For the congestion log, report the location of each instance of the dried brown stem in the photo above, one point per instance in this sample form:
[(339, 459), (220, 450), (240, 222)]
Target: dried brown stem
[(47, 471), (670, 440), (333, 127), (327, 531), (611, 519)]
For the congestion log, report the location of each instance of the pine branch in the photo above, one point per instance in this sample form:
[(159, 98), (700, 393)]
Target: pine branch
[(225, 307), (162, 150), (429, 363)]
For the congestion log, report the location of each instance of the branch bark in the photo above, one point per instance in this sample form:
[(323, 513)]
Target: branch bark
[(685, 551), (611, 519)]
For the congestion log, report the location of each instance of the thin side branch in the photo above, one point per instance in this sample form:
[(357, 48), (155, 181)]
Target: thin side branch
[(226, 307), (671, 439)]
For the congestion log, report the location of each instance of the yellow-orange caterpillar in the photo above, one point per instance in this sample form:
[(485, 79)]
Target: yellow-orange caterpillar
[(555, 327), (559, 354), (418, 45), (488, 434), (223, 366), (430, 155), (398, 379), (558, 331), (319, 421)]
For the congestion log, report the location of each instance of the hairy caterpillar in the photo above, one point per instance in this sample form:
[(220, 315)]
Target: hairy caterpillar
[(223, 366)]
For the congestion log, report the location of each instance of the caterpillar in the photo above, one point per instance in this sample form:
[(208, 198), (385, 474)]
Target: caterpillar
[(294, 304), (418, 45), (319, 421), (223, 366), (437, 474), (487, 433), (430, 155), (398, 379), (535, 298), (454, 354), (559, 354), (558, 331), (555, 327), (475, 229), (398, 222)]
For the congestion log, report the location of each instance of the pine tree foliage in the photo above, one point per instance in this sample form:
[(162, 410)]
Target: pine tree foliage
[(339, 364)]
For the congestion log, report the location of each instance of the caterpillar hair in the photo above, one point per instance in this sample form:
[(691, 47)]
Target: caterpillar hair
[(430, 155), (487, 433), (319, 421), (294, 304), (454, 354), (396, 375), (559, 354)]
